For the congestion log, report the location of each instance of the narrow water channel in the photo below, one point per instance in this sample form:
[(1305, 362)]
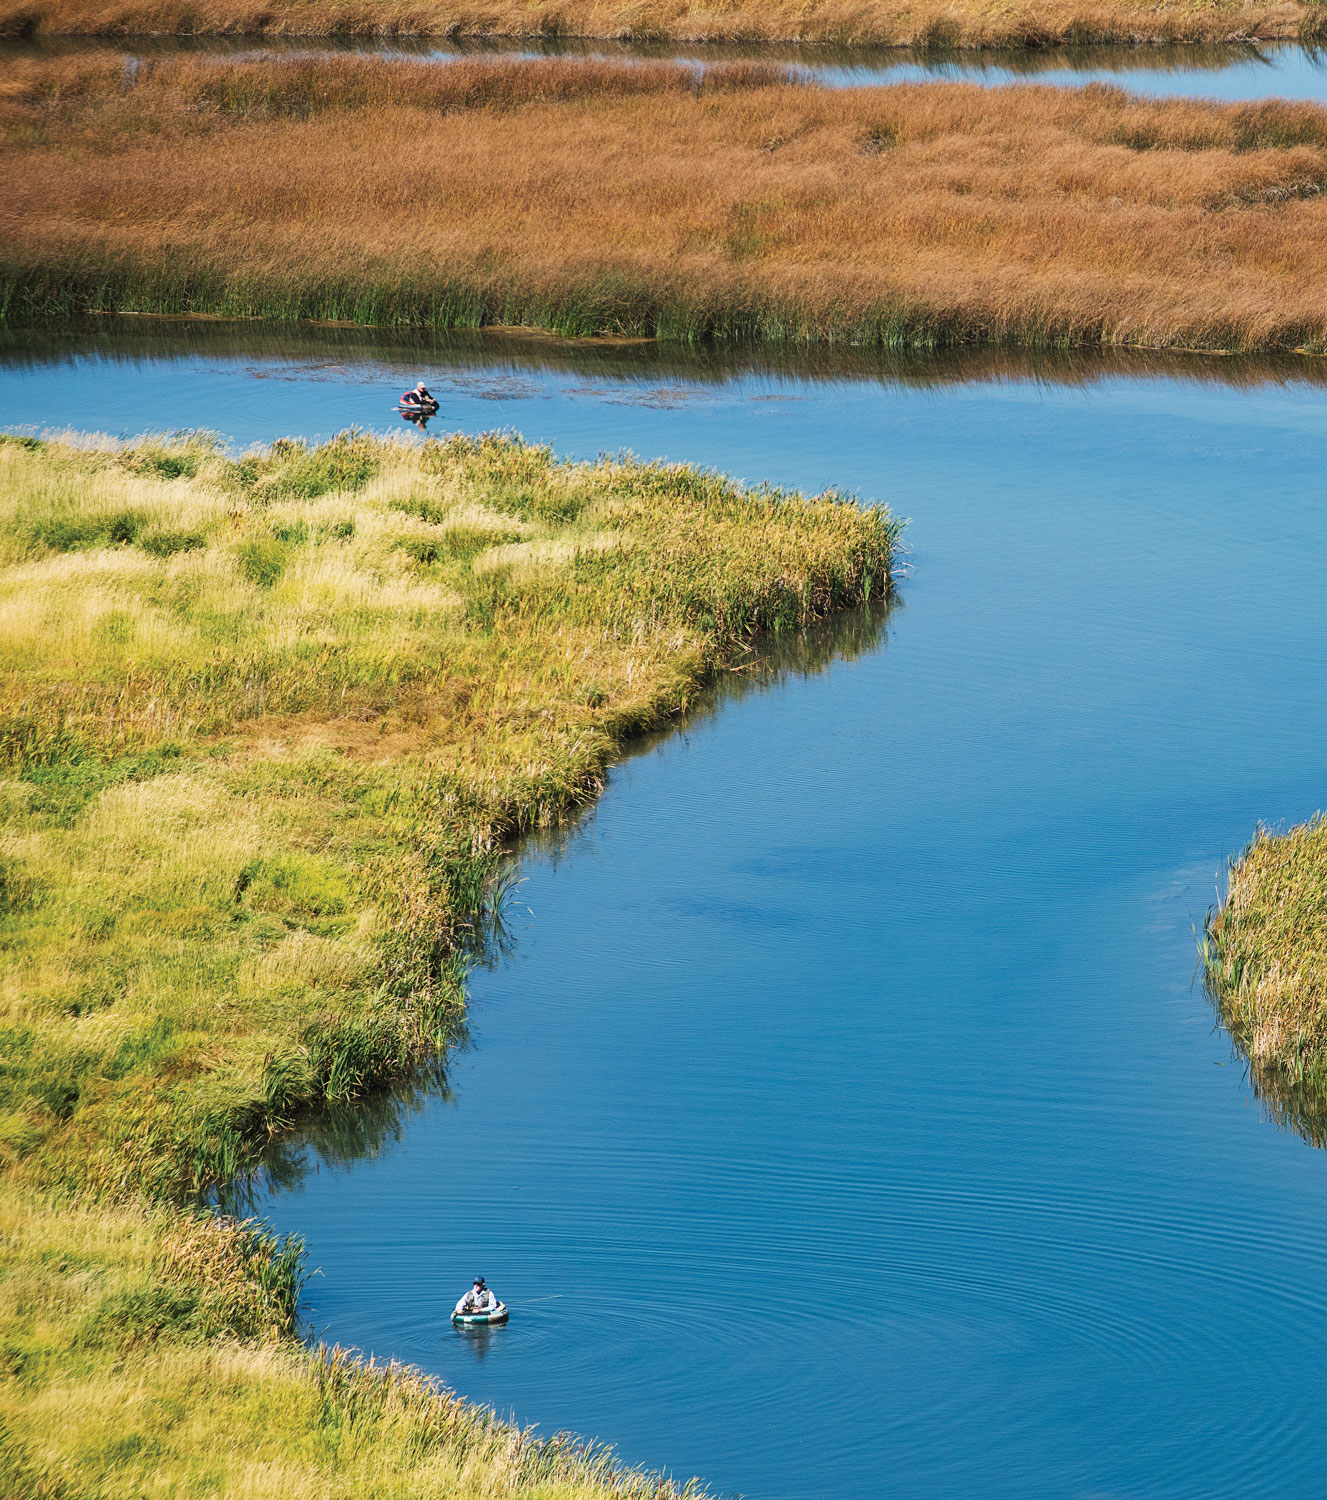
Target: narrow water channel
[(1254, 70), (842, 1120)]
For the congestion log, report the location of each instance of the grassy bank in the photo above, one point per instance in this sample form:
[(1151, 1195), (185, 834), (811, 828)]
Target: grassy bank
[(266, 725), (927, 23), (1265, 963), (393, 192)]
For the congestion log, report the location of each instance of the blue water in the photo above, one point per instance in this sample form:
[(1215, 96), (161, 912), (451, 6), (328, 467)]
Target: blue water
[(1228, 73), (843, 1121)]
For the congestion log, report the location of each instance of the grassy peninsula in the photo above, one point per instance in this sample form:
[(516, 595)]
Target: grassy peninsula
[(266, 725), (396, 192), (927, 23), (1265, 963)]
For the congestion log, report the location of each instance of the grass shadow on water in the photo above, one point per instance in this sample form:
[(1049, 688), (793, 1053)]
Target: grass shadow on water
[(339, 1135)]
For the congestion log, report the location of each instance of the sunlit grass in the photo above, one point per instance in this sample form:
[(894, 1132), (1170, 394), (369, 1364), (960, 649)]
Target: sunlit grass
[(249, 775), (256, 789)]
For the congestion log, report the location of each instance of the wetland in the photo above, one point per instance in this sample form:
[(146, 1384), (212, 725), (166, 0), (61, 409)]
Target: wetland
[(874, 981)]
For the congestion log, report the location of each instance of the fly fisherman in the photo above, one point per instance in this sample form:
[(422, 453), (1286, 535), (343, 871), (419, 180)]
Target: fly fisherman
[(477, 1299)]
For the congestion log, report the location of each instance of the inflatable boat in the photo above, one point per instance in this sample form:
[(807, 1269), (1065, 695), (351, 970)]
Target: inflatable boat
[(496, 1314)]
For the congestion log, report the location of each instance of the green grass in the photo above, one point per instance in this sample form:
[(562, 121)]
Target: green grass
[(268, 726), (1265, 966)]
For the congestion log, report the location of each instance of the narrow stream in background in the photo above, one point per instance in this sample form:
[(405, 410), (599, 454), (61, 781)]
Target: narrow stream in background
[(842, 1120), (1238, 72)]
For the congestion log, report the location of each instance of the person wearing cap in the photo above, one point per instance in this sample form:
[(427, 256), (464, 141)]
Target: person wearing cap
[(420, 396), (477, 1299)]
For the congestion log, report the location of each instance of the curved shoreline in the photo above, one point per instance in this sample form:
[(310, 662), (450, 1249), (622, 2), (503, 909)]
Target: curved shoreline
[(246, 865)]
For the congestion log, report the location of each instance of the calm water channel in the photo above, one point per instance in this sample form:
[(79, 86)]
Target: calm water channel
[(842, 1121), (1229, 73)]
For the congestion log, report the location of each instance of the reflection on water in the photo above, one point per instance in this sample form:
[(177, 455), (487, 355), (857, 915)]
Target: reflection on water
[(336, 1135), (773, 661), (1284, 1101), (316, 352), (817, 56), (1250, 70), (1287, 1103), (477, 1338)]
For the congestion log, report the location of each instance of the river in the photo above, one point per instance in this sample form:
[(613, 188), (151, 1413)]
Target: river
[(842, 1120), (1249, 71)]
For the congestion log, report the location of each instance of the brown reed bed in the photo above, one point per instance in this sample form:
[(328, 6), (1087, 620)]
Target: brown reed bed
[(595, 198), (924, 23)]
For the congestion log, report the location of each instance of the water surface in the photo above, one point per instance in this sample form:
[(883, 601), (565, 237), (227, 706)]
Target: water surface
[(842, 1121), (1254, 70)]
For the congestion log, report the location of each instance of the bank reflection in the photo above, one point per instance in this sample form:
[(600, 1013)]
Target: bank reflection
[(841, 64), (339, 1135), (1282, 1100), (314, 351)]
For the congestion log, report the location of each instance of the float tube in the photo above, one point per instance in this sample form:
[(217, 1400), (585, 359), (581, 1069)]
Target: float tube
[(497, 1314)]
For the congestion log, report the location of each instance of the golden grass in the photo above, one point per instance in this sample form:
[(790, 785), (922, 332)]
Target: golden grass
[(1266, 968), (597, 198), (265, 727), (931, 23)]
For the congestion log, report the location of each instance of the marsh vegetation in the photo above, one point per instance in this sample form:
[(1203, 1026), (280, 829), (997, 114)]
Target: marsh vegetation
[(390, 192), (924, 23)]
